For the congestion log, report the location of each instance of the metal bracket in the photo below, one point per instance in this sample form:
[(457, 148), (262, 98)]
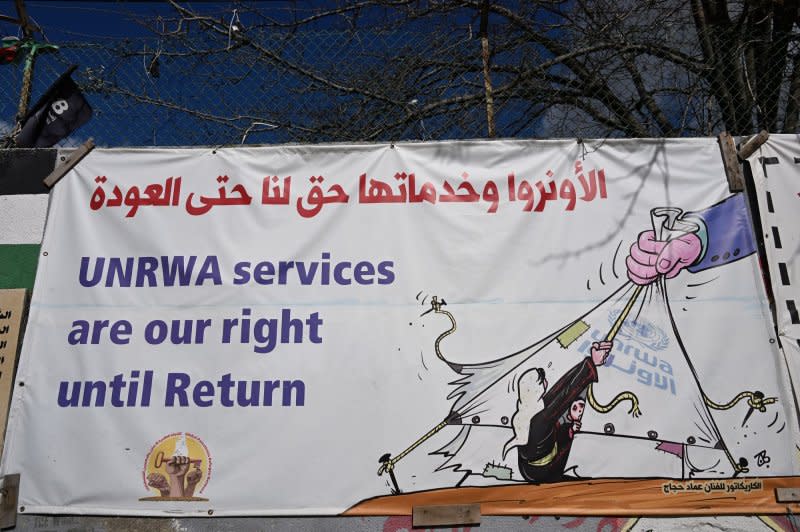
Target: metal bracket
[(446, 515), (74, 158), (9, 496), (787, 494)]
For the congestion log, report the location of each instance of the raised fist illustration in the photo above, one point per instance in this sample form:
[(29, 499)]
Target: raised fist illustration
[(177, 466), (159, 482)]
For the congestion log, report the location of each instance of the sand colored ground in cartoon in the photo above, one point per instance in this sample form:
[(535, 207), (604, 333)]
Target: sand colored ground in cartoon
[(602, 497)]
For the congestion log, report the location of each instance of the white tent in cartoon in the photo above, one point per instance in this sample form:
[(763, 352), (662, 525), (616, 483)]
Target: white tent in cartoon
[(648, 367)]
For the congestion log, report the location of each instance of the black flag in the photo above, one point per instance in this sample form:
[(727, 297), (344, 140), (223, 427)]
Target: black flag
[(59, 112)]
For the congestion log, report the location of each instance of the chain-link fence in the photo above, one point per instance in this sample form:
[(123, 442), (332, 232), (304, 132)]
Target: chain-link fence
[(384, 71)]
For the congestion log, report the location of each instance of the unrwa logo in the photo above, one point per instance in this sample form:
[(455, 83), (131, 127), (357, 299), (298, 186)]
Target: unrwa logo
[(642, 331), (177, 468)]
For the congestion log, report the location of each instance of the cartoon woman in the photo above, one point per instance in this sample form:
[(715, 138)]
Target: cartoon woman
[(546, 420)]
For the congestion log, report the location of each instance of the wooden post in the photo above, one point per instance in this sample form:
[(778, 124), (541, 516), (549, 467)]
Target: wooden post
[(27, 72), (752, 144), (27, 79), (74, 158), (446, 515), (730, 161), (9, 495), (787, 494)]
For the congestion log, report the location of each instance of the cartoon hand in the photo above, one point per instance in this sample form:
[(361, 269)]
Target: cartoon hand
[(600, 352), (650, 258), (177, 466), (159, 482), (576, 425), (192, 478)]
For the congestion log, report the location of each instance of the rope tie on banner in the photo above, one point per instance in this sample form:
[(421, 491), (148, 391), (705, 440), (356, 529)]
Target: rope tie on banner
[(626, 395), (387, 461), (755, 400), (612, 333), (388, 465), (436, 306), (634, 411)]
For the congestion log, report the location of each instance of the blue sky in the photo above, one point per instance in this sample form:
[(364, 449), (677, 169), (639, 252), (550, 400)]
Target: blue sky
[(101, 26), (68, 21), (244, 90), (62, 22)]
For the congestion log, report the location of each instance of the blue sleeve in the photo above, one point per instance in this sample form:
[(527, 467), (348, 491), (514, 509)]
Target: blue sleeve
[(727, 233)]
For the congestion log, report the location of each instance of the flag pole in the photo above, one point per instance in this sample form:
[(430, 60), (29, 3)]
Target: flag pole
[(27, 72)]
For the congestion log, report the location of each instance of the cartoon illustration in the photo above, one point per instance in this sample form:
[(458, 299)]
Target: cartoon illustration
[(543, 434), (712, 237), (513, 427)]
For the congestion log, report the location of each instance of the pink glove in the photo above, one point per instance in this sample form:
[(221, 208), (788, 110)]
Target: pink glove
[(650, 257)]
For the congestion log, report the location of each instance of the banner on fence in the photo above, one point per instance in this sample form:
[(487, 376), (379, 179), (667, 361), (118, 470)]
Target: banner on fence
[(775, 170), (330, 329)]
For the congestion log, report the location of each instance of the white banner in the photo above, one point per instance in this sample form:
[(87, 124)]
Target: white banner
[(776, 174), (298, 329)]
